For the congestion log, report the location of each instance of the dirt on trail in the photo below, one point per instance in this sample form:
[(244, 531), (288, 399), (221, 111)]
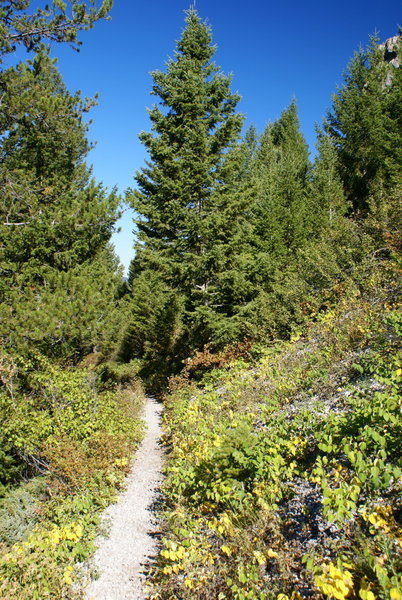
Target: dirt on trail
[(130, 544)]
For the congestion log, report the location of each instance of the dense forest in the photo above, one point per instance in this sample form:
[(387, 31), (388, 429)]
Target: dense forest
[(261, 306)]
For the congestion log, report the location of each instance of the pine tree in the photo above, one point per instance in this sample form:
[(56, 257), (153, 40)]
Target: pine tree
[(189, 213), (57, 21), (55, 220)]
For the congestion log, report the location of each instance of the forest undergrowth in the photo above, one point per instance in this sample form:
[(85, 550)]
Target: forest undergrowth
[(74, 436), (284, 471)]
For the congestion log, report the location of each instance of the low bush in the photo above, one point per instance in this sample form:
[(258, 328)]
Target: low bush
[(78, 435)]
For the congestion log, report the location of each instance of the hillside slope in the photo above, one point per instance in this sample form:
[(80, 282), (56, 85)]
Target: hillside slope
[(284, 473)]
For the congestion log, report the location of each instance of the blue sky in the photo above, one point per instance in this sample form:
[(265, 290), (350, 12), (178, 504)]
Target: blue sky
[(275, 51)]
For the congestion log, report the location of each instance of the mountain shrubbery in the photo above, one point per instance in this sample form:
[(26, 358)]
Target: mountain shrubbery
[(284, 475), (263, 288)]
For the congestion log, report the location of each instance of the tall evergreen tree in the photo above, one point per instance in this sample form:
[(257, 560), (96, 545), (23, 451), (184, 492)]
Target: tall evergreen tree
[(189, 212), (55, 220), (283, 221), (365, 125), (281, 216), (326, 189), (334, 244)]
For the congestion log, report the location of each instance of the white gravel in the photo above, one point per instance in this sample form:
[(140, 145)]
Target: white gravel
[(120, 558)]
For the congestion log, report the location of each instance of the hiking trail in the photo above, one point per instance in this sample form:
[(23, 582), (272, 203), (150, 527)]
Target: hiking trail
[(130, 544)]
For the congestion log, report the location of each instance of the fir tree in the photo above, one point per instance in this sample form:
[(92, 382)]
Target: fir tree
[(334, 245), (189, 213), (326, 189), (283, 221), (365, 124), (282, 215)]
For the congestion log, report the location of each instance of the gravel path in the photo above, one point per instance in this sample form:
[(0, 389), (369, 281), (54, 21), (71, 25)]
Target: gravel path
[(121, 556)]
